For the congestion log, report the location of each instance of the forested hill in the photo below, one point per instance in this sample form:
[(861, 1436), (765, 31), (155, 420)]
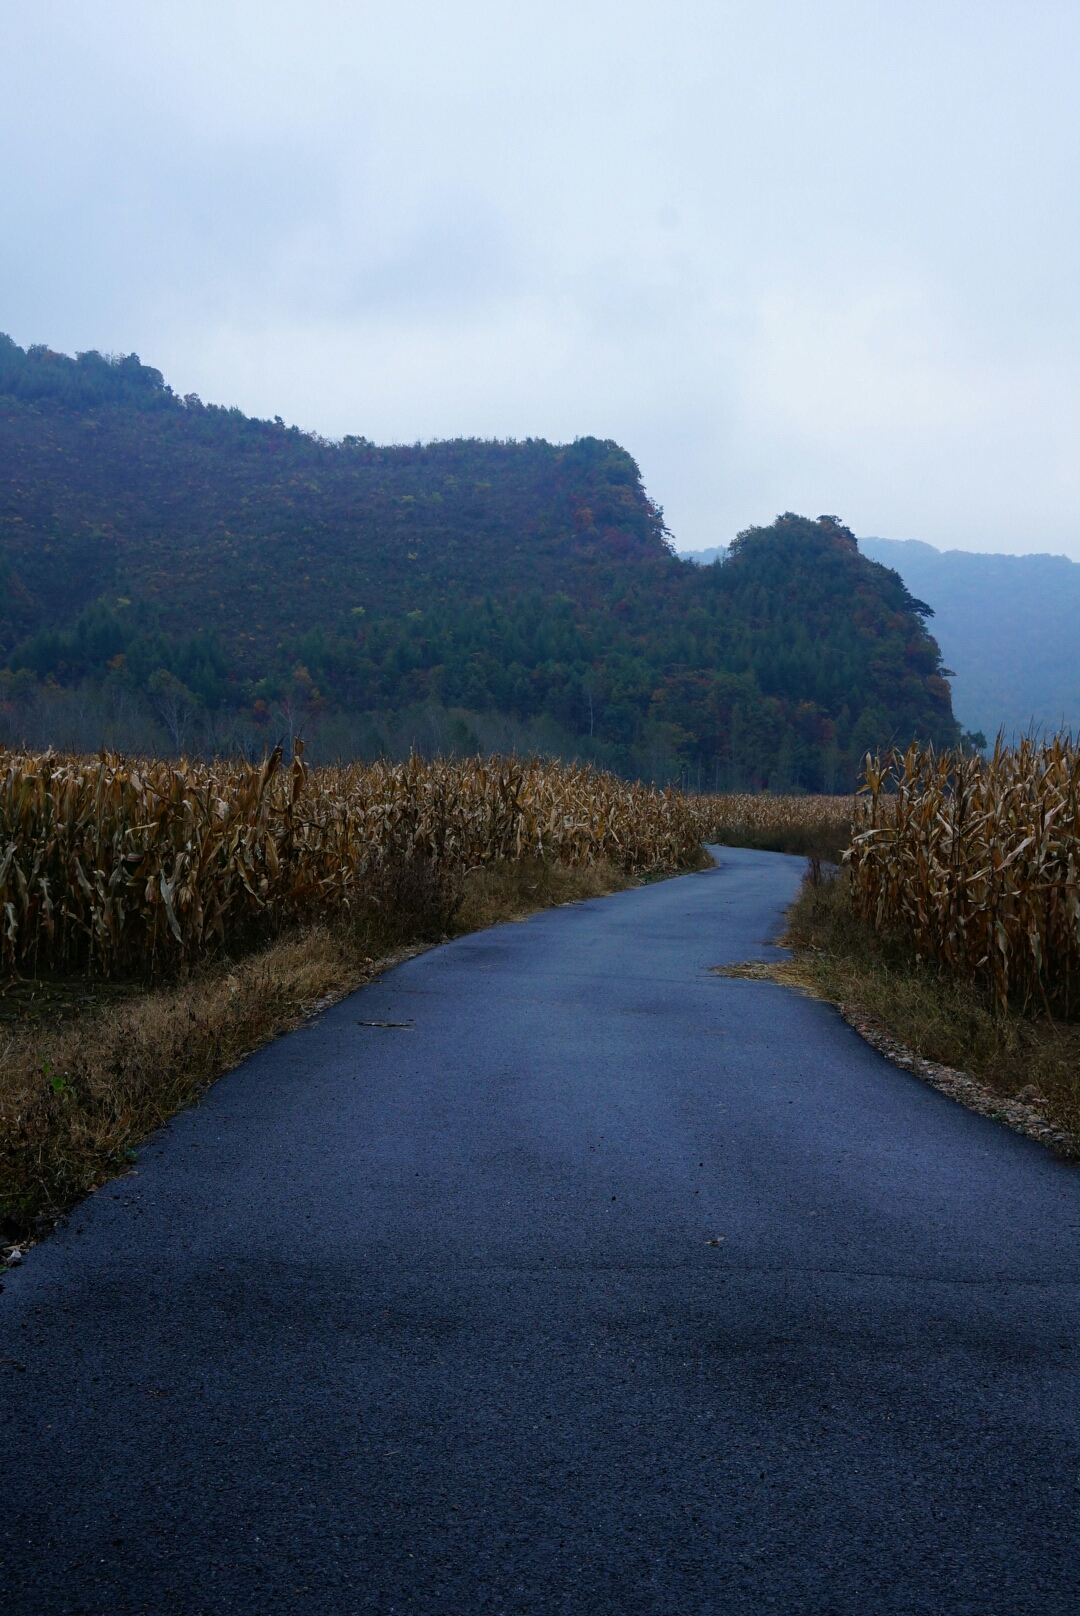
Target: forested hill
[(155, 545)]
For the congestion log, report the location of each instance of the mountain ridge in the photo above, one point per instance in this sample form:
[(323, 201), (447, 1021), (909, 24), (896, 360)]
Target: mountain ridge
[(154, 544)]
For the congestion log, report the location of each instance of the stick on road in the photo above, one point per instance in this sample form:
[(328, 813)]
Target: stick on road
[(602, 1285)]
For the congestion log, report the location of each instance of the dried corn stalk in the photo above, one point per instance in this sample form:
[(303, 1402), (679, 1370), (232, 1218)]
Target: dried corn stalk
[(763, 814), (979, 861), (112, 864)]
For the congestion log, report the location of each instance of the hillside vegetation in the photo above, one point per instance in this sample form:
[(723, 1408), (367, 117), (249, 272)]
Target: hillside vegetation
[(241, 579)]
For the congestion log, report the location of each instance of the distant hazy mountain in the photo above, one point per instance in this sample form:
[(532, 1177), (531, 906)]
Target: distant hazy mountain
[(704, 558), (1009, 626)]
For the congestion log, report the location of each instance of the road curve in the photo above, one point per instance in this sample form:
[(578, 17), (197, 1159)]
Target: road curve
[(431, 1319)]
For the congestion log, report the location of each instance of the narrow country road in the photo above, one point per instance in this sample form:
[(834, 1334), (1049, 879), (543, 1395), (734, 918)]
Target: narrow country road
[(432, 1319)]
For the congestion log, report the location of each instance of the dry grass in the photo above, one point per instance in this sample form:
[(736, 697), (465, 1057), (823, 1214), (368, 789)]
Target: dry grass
[(89, 1070), (884, 988)]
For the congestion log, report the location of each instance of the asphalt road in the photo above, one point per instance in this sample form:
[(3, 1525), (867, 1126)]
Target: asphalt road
[(429, 1319)]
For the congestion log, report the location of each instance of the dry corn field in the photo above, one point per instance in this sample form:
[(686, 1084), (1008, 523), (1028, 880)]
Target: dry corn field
[(113, 865), (748, 814), (979, 861)]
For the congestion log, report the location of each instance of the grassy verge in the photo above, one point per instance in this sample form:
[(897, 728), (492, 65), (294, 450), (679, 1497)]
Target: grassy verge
[(89, 1069), (1027, 1070)]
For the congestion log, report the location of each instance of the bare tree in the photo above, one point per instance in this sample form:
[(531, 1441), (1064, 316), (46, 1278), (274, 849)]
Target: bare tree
[(174, 704)]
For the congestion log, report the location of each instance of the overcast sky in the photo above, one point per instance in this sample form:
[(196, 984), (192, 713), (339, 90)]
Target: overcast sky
[(819, 257)]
